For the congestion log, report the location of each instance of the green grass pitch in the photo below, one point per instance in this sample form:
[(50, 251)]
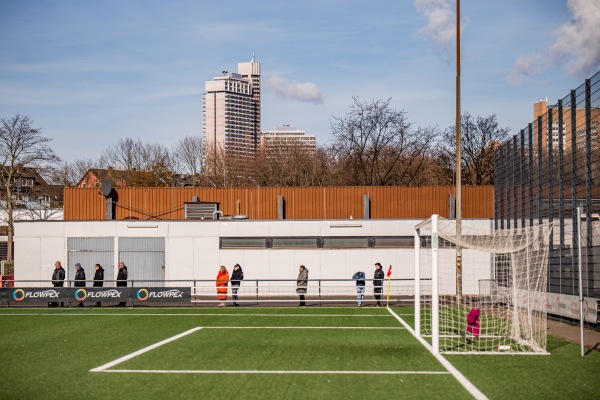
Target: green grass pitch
[(260, 353)]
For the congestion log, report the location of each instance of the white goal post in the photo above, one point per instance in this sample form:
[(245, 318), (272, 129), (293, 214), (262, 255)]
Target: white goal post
[(499, 303)]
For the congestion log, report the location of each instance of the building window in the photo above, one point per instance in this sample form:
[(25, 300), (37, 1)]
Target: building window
[(345, 242), (295, 242)]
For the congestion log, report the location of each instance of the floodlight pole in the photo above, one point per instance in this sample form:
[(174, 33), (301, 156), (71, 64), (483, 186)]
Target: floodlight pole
[(458, 163)]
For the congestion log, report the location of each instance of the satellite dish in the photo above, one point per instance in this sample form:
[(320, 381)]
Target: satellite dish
[(106, 188)]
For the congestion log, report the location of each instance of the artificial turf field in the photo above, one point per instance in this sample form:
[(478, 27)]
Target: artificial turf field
[(262, 353)]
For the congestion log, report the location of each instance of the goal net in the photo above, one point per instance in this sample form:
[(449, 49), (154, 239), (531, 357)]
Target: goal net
[(479, 290)]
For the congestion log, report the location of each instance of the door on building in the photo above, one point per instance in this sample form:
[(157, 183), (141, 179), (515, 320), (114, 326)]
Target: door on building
[(89, 252), (144, 259)]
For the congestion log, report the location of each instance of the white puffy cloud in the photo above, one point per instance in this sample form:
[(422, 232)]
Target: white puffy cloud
[(576, 48), (577, 43), (440, 26), (307, 91)]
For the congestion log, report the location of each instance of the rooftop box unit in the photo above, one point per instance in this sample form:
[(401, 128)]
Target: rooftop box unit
[(200, 210)]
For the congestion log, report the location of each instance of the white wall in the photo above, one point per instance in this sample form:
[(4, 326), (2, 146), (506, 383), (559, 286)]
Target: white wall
[(192, 247)]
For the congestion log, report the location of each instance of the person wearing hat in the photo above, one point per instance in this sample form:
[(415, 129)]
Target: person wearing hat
[(237, 276), (79, 279), (378, 283)]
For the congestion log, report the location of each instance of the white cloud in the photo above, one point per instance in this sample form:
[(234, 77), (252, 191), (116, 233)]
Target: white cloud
[(578, 43), (576, 48), (307, 91), (525, 67), (441, 23)]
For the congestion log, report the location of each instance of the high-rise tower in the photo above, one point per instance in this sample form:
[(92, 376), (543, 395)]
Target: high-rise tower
[(232, 112), (251, 70)]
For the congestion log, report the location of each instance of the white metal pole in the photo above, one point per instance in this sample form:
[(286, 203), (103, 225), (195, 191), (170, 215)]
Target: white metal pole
[(417, 283), (581, 317), (435, 309), (529, 305)]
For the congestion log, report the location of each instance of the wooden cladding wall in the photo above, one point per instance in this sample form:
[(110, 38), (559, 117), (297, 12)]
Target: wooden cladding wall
[(300, 202)]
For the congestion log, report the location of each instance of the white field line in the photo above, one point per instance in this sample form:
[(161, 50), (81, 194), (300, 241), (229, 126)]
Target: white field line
[(142, 351), (105, 367), (79, 314), (212, 371), (307, 327), (476, 393)]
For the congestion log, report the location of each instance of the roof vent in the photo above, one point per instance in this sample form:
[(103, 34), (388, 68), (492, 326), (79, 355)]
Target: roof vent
[(200, 210)]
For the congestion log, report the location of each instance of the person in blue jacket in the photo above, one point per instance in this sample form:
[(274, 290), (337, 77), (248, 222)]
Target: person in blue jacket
[(359, 277)]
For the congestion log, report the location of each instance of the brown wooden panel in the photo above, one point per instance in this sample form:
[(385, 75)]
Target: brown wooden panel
[(167, 203)]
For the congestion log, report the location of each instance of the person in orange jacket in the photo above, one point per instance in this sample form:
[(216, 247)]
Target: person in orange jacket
[(222, 281)]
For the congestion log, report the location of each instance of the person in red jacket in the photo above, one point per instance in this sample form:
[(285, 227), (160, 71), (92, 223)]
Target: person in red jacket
[(222, 281)]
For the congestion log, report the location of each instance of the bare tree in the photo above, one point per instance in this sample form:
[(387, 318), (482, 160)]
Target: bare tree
[(70, 173), (187, 154), (480, 137), (146, 164), (20, 145), (377, 145)]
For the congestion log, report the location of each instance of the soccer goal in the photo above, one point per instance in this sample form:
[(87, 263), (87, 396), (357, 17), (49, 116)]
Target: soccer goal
[(479, 290)]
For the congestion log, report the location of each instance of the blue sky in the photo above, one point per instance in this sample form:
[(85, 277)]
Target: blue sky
[(91, 72)]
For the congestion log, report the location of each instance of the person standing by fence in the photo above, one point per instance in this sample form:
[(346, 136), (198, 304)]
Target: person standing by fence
[(122, 279), (222, 281), (359, 277), (98, 279), (237, 276), (79, 279), (378, 283), (58, 280), (302, 284)]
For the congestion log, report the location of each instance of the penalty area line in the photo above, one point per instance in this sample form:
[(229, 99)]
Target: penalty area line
[(273, 372), (104, 367)]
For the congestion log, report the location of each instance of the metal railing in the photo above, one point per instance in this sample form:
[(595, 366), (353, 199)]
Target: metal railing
[(257, 291)]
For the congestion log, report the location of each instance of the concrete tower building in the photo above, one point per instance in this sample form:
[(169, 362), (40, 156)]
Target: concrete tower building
[(232, 112)]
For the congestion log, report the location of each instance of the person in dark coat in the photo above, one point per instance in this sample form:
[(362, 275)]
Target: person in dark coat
[(79, 279), (122, 279), (378, 283), (98, 279), (302, 284), (237, 276), (58, 280)]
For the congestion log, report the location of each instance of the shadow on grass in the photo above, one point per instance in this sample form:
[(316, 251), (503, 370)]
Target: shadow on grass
[(555, 344), (591, 349)]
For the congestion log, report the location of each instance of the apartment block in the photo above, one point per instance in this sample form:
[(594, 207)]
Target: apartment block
[(231, 112), (284, 139)]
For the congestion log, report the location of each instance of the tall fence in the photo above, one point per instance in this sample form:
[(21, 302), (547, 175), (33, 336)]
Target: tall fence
[(548, 170)]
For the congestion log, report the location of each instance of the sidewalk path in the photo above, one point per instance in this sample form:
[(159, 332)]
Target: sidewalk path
[(571, 333)]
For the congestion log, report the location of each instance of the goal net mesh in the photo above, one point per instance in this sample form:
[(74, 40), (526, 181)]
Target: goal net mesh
[(490, 291)]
